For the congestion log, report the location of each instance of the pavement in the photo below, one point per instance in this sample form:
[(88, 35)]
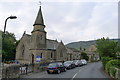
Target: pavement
[(91, 70)]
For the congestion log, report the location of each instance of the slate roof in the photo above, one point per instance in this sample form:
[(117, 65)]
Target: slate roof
[(69, 50), (52, 44)]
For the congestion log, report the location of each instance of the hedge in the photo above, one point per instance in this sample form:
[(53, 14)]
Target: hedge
[(111, 65), (115, 63), (112, 71), (105, 60)]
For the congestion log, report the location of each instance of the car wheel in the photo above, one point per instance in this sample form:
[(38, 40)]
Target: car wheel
[(48, 72), (58, 71), (65, 70)]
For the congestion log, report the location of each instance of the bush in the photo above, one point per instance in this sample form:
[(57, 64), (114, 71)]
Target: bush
[(105, 60), (112, 71), (114, 63), (111, 65), (84, 56), (107, 67)]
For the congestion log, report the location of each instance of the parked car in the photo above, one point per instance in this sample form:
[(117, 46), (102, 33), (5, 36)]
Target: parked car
[(78, 63), (56, 67), (69, 64), (84, 62)]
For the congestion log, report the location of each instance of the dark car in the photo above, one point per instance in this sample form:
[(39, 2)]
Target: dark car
[(56, 67), (69, 64), (78, 63)]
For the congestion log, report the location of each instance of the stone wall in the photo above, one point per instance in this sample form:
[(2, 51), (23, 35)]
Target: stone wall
[(114, 73), (117, 73), (15, 71), (11, 71)]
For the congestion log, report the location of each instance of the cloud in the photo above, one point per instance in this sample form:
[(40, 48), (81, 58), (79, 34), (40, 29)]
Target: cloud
[(67, 21), (104, 20)]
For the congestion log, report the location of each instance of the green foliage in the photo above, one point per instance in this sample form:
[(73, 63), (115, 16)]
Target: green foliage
[(105, 60), (86, 44), (84, 56), (117, 48), (112, 71), (9, 46), (106, 47), (115, 63), (111, 65), (82, 44)]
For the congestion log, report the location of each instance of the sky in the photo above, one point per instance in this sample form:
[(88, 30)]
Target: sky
[(69, 21)]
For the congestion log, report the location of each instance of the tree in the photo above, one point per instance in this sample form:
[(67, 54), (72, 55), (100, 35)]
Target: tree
[(80, 48), (9, 46), (84, 49), (106, 47), (84, 56)]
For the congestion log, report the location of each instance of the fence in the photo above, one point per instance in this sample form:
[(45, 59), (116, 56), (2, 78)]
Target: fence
[(25, 69)]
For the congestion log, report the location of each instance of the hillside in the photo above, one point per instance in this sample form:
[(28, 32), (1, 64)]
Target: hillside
[(85, 44)]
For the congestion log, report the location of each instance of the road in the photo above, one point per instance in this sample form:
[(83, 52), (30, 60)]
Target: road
[(91, 70)]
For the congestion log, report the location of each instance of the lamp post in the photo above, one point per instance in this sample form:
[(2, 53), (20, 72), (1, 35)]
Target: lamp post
[(11, 17)]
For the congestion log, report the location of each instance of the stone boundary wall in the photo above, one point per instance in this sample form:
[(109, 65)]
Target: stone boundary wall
[(16, 71), (11, 71), (117, 75)]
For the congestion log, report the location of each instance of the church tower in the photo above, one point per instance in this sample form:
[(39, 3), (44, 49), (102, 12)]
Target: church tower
[(38, 38)]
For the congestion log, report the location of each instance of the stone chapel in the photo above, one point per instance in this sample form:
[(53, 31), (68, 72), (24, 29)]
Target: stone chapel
[(37, 44)]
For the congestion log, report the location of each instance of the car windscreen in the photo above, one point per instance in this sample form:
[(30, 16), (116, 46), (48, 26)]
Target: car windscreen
[(52, 65), (76, 61), (68, 62)]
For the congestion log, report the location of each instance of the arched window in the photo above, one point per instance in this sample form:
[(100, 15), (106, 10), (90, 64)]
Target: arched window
[(41, 55), (51, 55), (41, 37), (32, 58), (23, 50), (61, 54)]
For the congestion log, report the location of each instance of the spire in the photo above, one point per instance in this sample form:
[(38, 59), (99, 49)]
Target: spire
[(39, 18), (24, 32)]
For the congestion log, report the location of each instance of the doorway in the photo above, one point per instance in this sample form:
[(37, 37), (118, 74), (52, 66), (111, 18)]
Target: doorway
[(32, 58)]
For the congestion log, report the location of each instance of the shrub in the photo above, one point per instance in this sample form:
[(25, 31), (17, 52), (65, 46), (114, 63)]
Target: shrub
[(84, 56), (107, 67), (105, 60), (111, 65), (112, 71), (115, 63)]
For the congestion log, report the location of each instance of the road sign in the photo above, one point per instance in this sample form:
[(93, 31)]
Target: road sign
[(38, 58)]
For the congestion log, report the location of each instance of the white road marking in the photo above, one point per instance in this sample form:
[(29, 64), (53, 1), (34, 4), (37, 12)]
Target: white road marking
[(74, 75), (81, 69)]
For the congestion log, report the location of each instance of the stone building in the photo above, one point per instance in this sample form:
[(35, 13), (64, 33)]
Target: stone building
[(37, 44), (69, 54), (92, 53), (76, 54), (73, 54)]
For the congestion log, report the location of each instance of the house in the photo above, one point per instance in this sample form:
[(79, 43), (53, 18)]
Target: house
[(73, 54), (92, 53)]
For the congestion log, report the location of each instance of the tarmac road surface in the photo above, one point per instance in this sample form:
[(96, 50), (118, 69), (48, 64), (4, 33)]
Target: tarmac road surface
[(91, 70)]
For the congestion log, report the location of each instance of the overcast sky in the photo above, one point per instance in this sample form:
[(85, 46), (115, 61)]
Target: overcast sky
[(67, 21)]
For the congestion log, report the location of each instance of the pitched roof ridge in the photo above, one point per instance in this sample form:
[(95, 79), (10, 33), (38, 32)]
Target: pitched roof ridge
[(28, 34), (51, 40)]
